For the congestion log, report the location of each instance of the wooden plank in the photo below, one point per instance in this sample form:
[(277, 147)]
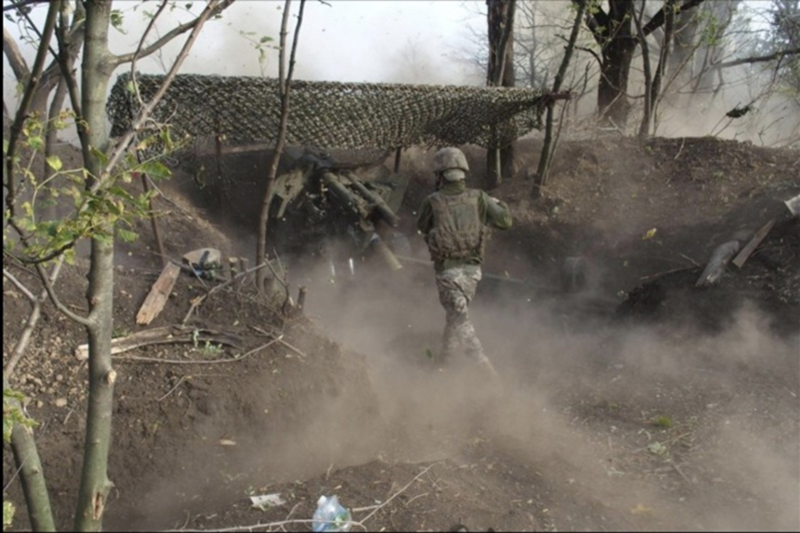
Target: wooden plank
[(157, 298), (753, 244)]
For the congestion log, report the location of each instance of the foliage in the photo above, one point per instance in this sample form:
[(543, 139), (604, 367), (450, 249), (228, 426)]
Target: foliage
[(260, 45), (663, 422), (8, 514), (110, 207), (13, 414)]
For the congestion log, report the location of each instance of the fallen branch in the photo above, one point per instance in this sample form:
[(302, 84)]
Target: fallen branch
[(664, 273), (377, 508), (178, 384), (720, 258), (294, 349), (680, 472), (165, 335)]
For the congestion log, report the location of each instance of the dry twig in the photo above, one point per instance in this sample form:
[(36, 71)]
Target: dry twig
[(194, 362), (197, 302), (281, 523)]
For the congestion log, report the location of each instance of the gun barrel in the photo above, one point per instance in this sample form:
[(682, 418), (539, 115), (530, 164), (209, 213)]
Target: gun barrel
[(387, 254), (382, 207), (341, 192)]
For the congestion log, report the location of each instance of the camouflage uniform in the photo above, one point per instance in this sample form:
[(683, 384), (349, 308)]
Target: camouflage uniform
[(457, 287), (454, 222)]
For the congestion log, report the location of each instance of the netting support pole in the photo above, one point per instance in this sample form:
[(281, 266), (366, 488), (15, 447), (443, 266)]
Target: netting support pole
[(397, 155), (153, 222)]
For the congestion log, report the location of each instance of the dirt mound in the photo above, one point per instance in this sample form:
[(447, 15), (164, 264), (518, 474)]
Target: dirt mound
[(635, 402)]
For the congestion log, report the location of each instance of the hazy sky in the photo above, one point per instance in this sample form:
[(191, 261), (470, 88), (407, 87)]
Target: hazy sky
[(358, 40), (414, 41)]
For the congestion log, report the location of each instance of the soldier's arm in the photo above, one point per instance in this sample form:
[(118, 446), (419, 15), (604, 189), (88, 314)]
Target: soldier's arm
[(496, 212), (425, 217)]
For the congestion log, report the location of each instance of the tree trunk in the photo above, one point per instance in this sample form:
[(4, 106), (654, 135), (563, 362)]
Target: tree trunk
[(644, 126), (95, 74), (655, 88), (285, 80), (94, 476), (547, 145), (617, 54), (507, 153), (500, 73), (26, 456)]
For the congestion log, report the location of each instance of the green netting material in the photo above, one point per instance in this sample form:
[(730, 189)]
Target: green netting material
[(334, 114)]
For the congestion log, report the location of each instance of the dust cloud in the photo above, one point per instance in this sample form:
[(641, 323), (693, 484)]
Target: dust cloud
[(578, 401)]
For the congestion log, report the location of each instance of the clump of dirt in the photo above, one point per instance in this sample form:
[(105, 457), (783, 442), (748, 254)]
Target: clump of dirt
[(632, 400)]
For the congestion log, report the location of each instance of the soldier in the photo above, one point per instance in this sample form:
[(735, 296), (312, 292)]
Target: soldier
[(455, 221)]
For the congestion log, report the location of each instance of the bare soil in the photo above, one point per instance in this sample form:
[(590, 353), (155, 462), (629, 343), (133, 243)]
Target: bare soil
[(633, 401)]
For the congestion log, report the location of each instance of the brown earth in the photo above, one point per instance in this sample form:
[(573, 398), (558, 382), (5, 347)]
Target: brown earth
[(637, 402)]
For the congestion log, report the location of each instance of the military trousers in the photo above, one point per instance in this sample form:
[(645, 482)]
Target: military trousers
[(456, 288)]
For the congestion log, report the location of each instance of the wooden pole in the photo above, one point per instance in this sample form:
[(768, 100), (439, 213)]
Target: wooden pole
[(154, 223), (397, 159)]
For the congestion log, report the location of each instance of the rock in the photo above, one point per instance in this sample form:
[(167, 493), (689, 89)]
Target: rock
[(61, 402)]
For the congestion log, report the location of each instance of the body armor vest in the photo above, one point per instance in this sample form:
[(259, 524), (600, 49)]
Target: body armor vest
[(457, 229)]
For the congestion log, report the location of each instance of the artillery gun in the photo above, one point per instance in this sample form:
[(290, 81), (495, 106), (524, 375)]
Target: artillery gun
[(344, 214)]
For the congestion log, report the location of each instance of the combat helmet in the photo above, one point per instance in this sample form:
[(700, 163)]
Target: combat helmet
[(452, 163)]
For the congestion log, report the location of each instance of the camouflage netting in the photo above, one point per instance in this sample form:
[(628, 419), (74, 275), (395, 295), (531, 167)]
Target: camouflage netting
[(333, 115)]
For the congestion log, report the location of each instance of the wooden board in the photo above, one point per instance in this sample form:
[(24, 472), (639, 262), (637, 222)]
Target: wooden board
[(753, 244), (159, 294)]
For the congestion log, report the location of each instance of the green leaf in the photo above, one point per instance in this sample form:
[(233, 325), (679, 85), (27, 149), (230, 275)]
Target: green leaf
[(265, 39), (117, 19), (100, 156), (8, 514), (54, 162), (156, 170), (36, 142), (127, 236), (119, 192)]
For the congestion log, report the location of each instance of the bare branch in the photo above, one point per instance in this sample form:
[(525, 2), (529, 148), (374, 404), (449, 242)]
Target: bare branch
[(659, 18), (19, 285), (285, 86), (14, 56), (22, 343), (756, 59), (178, 30), (120, 147), (54, 298), (138, 51), (22, 3), (594, 54), (22, 112)]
